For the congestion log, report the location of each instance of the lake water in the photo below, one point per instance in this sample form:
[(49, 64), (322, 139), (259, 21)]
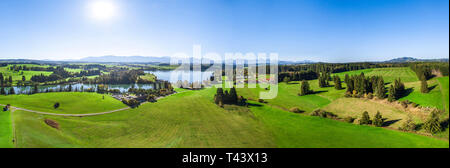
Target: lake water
[(171, 76), (79, 86), (190, 76)]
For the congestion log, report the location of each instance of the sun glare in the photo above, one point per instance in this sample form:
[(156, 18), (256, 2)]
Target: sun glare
[(102, 10)]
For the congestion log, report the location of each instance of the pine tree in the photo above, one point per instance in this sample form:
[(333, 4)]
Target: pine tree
[(432, 125), (391, 96), (218, 98), (365, 119), (381, 90), (337, 83), (424, 86), (233, 96), (378, 120)]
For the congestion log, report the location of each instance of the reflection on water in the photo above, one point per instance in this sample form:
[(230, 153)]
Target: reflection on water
[(190, 76), (78, 87)]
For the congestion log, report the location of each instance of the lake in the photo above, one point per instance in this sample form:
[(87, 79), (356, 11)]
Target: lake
[(190, 76)]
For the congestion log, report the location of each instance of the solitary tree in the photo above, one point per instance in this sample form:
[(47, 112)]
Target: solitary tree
[(424, 86), (304, 88), (23, 78), (378, 120)]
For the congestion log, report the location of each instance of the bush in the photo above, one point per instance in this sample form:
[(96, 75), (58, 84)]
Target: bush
[(56, 105), (295, 110), (408, 125), (261, 101), (324, 114), (370, 96), (349, 119)]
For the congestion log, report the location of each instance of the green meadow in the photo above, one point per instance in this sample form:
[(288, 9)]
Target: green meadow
[(389, 74), (18, 75), (191, 119), (5, 130), (70, 103)]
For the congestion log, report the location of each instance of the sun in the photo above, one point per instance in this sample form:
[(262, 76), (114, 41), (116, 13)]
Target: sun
[(102, 10)]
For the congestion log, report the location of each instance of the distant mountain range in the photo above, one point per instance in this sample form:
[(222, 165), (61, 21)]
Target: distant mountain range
[(125, 59), (166, 60), (410, 59)]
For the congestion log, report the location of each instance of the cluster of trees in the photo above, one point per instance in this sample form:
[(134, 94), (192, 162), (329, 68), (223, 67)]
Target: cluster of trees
[(335, 68), (221, 98), (88, 73), (18, 68), (358, 85), (337, 83), (378, 120), (397, 90), (58, 74), (119, 77), (426, 71), (298, 76), (3, 91), (324, 79), (5, 81)]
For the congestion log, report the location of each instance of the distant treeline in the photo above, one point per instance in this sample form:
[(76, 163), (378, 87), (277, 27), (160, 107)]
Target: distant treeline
[(121, 77), (425, 71)]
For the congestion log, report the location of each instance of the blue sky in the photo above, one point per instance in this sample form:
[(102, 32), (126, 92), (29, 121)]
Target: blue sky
[(318, 30)]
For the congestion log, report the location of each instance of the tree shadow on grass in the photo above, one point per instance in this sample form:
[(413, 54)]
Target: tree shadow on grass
[(432, 87), (317, 92), (390, 122), (407, 92), (254, 105)]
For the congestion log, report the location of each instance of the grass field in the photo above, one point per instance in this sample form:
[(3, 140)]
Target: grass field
[(358, 106), (444, 85), (18, 76), (191, 119), (71, 103), (431, 99), (5, 130), (188, 119), (299, 131), (389, 74)]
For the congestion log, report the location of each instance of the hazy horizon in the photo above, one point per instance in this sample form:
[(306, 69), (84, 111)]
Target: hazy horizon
[(320, 31)]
